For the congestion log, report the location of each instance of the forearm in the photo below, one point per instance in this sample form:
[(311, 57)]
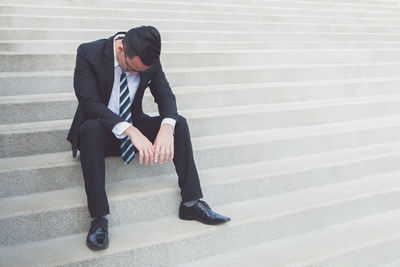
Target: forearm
[(163, 95), (100, 112)]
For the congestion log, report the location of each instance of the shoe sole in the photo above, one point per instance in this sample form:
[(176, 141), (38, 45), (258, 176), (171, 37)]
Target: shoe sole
[(97, 248), (191, 218)]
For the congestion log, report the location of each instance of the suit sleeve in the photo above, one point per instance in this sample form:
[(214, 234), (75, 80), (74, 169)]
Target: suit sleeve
[(163, 95), (86, 90)]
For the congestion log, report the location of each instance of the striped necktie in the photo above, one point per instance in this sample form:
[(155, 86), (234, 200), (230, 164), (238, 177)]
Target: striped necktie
[(127, 149)]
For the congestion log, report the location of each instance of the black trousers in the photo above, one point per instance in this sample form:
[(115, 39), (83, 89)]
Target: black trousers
[(96, 143)]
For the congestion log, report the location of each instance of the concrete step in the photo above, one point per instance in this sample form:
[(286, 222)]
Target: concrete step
[(351, 5), (95, 11), (62, 46), (367, 241), (336, 3), (211, 121), (259, 179), (271, 15), (360, 2), (259, 7), (56, 171), (393, 263), (51, 61), (27, 139), (31, 33), (59, 106), (75, 22), (61, 81), (277, 91), (222, 12), (253, 222), (255, 7)]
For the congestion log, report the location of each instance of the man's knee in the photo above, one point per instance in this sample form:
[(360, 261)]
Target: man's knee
[(92, 128), (181, 121), (181, 125)]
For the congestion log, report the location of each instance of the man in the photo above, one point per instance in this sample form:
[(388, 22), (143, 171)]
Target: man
[(110, 78)]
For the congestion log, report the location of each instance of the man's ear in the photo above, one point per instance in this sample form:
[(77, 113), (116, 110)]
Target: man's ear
[(120, 48)]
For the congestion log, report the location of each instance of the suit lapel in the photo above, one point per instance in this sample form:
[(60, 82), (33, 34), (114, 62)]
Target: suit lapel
[(109, 65)]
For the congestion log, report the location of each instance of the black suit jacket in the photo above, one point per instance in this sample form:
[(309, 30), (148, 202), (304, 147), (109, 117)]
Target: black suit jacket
[(93, 82)]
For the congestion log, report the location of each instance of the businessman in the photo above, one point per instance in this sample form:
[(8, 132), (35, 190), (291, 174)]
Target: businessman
[(110, 78)]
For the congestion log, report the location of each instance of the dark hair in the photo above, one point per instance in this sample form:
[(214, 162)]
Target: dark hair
[(145, 42)]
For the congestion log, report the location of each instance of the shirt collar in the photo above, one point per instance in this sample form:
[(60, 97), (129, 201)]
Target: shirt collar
[(116, 64)]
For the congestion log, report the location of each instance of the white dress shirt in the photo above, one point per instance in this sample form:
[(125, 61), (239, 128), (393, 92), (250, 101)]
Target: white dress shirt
[(133, 84)]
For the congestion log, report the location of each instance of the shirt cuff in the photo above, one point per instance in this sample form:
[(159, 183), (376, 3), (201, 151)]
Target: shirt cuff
[(119, 128), (171, 122)]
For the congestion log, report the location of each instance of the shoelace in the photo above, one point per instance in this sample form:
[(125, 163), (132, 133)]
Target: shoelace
[(98, 223), (204, 203), (204, 206), (201, 205)]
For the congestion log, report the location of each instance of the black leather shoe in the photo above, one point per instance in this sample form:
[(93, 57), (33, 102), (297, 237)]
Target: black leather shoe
[(97, 237), (202, 212)]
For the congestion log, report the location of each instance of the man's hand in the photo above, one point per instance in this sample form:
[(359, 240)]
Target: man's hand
[(142, 144), (164, 143)]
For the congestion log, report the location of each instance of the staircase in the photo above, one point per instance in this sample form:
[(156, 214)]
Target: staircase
[(294, 113)]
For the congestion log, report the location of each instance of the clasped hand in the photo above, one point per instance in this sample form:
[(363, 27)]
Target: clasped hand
[(163, 145)]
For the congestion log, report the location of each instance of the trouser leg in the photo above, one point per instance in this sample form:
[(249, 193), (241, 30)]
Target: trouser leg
[(95, 144), (188, 178)]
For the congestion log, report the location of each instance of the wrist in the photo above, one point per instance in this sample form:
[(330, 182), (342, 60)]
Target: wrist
[(168, 127), (130, 131)]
